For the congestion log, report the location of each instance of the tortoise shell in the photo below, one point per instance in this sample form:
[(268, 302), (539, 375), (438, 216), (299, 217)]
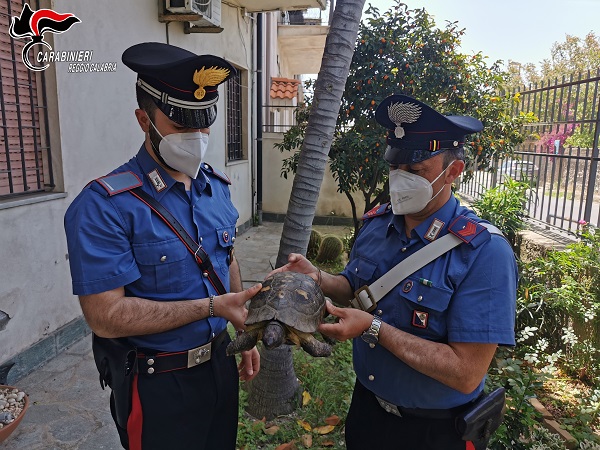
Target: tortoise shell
[(292, 298)]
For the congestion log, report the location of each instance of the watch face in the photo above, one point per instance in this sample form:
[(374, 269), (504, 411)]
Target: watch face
[(369, 338)]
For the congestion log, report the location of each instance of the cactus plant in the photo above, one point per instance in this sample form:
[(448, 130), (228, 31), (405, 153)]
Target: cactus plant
[(331, 248), (313, 244)]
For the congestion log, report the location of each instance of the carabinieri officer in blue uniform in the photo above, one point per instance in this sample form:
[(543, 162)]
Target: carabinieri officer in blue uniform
[(137, 280), (422, 352)]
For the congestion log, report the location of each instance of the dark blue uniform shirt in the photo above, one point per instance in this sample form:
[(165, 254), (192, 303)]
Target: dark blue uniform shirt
[(465, 295), (117, 241)]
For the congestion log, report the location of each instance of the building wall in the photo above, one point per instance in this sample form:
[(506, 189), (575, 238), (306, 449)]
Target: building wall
[(93, 131), (277, 190)]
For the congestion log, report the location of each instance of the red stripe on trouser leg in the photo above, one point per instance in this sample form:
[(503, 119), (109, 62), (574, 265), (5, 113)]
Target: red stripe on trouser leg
[(470, 446), (134, 422)]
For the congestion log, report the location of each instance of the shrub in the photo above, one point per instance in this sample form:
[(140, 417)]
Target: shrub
[(559, 297), (504, 206)]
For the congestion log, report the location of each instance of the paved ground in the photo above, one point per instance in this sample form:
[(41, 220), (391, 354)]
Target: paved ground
[(68, 409)]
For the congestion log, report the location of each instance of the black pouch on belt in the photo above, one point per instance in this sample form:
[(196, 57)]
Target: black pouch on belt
[(483, 418), (116, 361)]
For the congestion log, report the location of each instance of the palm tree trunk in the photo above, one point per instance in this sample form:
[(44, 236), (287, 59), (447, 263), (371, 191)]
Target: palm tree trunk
[(329, 88), (279, 381)]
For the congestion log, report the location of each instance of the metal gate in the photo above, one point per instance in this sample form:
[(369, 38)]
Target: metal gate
[(559, 158)]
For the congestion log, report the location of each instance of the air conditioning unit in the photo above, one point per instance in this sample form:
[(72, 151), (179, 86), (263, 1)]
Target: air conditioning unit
[(210, 10)]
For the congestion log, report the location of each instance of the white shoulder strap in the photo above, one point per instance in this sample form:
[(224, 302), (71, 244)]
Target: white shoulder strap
[(366, 297)]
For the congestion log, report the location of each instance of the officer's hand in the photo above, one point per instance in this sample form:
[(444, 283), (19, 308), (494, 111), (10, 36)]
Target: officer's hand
[(351, 322), (298, 263), (249, 365), (232, 306)]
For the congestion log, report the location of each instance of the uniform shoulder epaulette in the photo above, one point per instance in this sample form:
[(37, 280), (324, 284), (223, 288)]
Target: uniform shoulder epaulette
[(217, 173), (469, 231), (117, 183), (378, 211)]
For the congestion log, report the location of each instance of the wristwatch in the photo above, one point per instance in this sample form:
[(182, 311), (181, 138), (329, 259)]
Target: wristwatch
[(371, 335)]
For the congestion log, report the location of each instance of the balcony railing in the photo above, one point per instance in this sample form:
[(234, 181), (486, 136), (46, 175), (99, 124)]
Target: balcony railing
[(311, 16)]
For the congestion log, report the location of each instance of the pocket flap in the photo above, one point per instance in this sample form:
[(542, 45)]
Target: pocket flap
[(362, 268), (155, 253), (425, 294), (226, 235)]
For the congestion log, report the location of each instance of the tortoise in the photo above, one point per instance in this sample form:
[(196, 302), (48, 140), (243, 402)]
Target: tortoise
[(288, 309)]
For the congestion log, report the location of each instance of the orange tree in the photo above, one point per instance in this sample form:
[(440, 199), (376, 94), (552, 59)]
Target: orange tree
[(402, 51)]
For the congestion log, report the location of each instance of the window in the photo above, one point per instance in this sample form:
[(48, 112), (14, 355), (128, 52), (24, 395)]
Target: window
[(24, 149), (235, 148)]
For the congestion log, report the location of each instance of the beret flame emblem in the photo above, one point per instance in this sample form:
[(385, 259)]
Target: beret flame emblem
[(400, 113), (208, 77)]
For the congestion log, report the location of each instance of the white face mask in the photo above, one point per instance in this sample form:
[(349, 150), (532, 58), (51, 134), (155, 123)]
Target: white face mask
[(410, 193), (183, 152)]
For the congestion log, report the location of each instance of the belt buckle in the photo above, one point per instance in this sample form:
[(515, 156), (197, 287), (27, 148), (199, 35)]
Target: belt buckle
[(363, 299), (198, 355), (389, 407)]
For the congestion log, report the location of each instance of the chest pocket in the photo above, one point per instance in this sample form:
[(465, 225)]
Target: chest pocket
[(163, 266), (425, 308), (225, 239)]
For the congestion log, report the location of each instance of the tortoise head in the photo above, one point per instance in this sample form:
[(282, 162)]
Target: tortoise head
[(273, 335)]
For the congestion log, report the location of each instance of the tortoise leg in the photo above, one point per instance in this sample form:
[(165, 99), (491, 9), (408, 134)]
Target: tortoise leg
[(314, 347), (244, 341), (328, 339)]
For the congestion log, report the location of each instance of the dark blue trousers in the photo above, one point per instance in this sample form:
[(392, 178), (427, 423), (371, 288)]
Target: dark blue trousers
[(369, 426)]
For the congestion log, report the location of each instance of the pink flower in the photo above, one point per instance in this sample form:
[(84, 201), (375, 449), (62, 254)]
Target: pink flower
[(582, 222)]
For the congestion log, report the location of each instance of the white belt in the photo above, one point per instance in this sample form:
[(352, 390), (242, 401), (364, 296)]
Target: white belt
[(366, 297)]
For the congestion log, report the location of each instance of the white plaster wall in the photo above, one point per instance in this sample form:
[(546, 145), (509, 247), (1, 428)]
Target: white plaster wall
[(98, 132), (97, 110), (35, 289), (277, 190)]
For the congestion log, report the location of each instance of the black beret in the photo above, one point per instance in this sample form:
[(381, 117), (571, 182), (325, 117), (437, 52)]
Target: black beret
[(182, 84), (417, 132)]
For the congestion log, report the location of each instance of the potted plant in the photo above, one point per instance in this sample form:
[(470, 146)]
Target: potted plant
[(13, 405)]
